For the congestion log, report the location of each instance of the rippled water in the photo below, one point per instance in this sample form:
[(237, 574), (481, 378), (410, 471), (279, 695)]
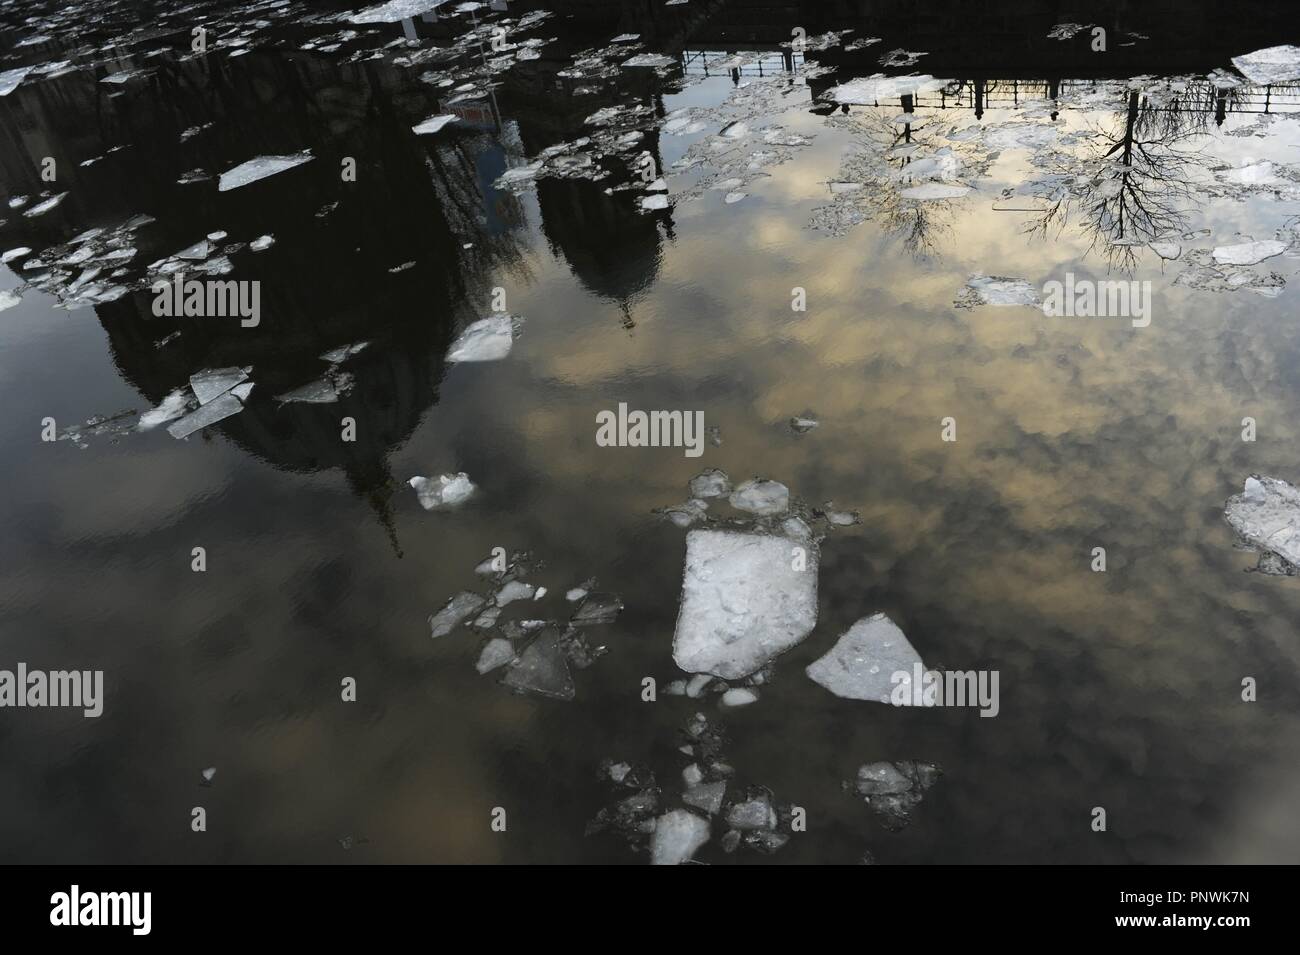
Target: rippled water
[(1120, 690)]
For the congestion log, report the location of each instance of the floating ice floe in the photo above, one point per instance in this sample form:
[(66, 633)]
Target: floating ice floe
[(218, 409), (996, 290), (514, 590), (488, 339), (497, 652), (341, 354), (761, 496), (445, 490), (654, 203), (873, 89), (433, 124), (10, 79), (893, 789), (395, 11), (862, 664), (14, 254), (260, 168), (169, 409), (43, 207), (742, 603), (597, 609), (678, 835), (1267, 514), (930, 191), (738, 696), (1276, 64), (262, 243), (801, 424), (1064, 31), (8, 299), (456, 611), (1248, 253), (1167, 249), (649, 59)]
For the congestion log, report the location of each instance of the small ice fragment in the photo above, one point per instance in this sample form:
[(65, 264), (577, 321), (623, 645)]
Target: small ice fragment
[(262, 243), (542, 669), (541, 592), (760, 496), (498, 652), (1167, 249), (208, 774), (220, 408), (1248, 253), (692, 775), (710, 483), (488, 339), (443, 490), (574, 595), (487, 619), (839, 518), (170, 408), (1267, 514), (863, 662), (432, 124), (9, 299), (259, 168), (13, 254), (734, 197), (211, 383), (45, 206), (801, 425), (739, 696), (456, 610), (678, 835), (325, 390), (742, 603), (514, 590), (654, 203), (394, 11), (341, 354)]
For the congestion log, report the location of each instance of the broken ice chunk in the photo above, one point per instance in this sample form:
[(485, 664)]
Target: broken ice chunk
[(514, 590), (262, 243), (207, 775), (488, 339), (211, 383), (706, 796), (742, 602), (710, 483), (1248, 253), (802, 425), (458, 609), (1267, 514), (893, 789), (8, 299), (1276, 64), (755, 813), (13, 254), (597, 609), (497, 653), (654, 203), (863, 662), (684, 515), (220, 408), (929, 191), (324, 390), (445, 490), (762, 497), (543, 669), (996, 290), (432, 124), (260, 168), (1167, 249), (678, 835), (394, 11)]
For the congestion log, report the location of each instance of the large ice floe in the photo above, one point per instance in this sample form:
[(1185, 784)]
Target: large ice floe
[(1267, 516), (863, 662), (743, 603)]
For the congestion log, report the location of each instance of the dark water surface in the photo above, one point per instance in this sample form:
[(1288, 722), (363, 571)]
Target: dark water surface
[(1119, 690)]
